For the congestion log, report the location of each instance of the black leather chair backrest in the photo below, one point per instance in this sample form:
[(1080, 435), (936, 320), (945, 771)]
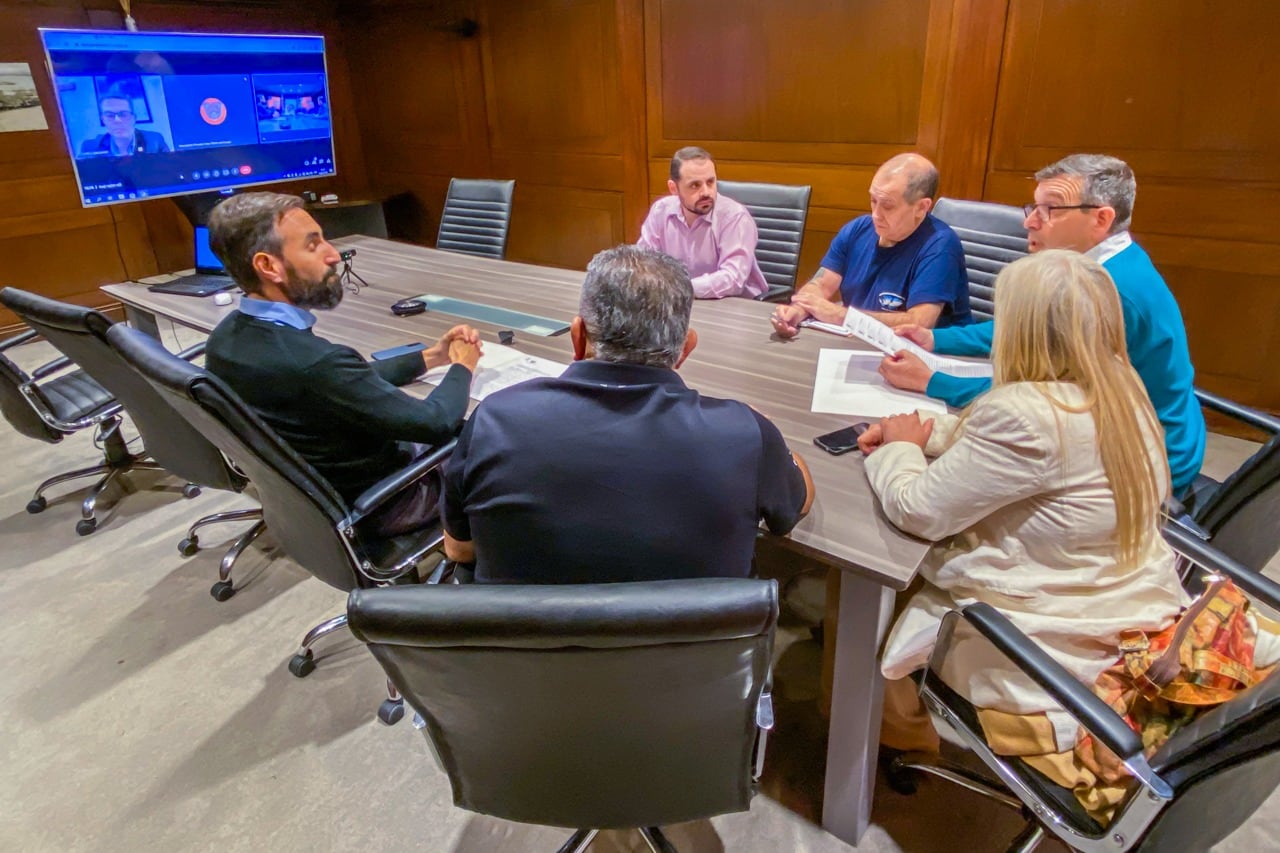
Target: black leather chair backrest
[(1221, 767), (992, 236), (603, 705), (298, 505), (1243, 515), (476, 217), (17, 409), (780, 212), (81, 335)]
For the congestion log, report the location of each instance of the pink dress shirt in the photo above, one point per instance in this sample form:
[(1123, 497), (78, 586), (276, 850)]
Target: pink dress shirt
[(719, 249)]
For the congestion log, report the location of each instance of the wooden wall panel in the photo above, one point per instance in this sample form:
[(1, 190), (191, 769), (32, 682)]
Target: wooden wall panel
[(1174, 88)]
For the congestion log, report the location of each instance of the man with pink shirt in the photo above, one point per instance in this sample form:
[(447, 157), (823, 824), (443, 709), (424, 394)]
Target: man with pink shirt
[(713, 236)]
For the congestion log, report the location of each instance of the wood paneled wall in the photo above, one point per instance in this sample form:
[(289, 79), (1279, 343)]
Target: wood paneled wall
[(52, 245), (583, 101)]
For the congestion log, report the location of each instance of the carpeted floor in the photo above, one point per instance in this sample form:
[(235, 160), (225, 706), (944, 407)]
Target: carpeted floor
[(141, 715)]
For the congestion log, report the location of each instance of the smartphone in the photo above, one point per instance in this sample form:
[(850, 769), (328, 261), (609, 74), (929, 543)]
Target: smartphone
[(842, 440), (394, 352)]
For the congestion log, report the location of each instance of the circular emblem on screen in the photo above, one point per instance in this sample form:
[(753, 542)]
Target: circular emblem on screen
[(213, 111)]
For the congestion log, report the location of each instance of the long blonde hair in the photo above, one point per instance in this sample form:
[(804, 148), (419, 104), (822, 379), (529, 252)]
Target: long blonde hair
[(1058, 319)]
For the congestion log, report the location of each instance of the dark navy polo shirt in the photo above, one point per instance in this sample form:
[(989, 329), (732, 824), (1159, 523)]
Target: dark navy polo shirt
[(926, 267), (616, 472)]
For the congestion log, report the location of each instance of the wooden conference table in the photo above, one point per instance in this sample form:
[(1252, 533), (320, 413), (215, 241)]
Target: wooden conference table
[(737, 357)]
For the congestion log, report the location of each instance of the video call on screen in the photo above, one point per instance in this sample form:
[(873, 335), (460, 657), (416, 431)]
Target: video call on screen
[(152, 114)]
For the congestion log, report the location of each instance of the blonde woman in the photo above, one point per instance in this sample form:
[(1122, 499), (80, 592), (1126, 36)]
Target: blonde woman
[(1044, 498)]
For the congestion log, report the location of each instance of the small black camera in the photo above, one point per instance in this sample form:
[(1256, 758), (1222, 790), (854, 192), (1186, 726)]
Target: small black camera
[(347, 254)]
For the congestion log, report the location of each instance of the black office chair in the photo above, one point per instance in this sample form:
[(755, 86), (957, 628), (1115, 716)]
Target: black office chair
[(311, 522), (1194, 791), (1239, 515), (618, 706), (476, 217), (780, 212), (172, 445), (49, 409), (992, 236)]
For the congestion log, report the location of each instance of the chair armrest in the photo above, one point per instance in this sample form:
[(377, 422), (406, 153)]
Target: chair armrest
[(19, 339), (1176, 513), (193, 351), (59, 363), (1244, 414), (1078, 700), (378, 494), (1187, 543)]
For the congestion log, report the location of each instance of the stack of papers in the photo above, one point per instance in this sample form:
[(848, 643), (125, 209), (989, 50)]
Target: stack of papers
[(869, 329), (501, 367), (848, 382)]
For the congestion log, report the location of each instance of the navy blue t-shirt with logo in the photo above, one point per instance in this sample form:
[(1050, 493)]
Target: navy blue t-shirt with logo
[(926, 267)]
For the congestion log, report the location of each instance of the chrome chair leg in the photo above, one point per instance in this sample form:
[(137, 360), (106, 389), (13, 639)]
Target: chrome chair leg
[(38, 502), (88, 522), (657, 842), (936, 765), (225, 588), (579, 841), (1028, 839), (304, 661), (219, 517)]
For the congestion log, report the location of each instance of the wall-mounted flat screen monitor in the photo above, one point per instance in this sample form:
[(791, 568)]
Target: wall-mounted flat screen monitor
[(160, 114)]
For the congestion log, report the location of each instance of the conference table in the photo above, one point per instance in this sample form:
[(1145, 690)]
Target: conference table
[(738, 356)]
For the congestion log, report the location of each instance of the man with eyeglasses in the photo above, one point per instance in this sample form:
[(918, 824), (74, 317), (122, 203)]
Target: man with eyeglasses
[(122, 139), (1085, 203), (899, 263)]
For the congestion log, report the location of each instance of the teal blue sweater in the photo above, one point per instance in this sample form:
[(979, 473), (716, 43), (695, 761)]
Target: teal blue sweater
[(1157, 344)]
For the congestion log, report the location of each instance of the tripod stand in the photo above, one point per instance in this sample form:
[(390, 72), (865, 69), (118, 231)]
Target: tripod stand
[(349, 278)]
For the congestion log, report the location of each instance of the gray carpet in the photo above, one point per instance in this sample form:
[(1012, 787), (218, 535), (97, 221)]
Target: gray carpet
[(141, 715)]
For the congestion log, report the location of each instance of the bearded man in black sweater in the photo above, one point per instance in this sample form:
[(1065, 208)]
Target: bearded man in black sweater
[(344, 415)]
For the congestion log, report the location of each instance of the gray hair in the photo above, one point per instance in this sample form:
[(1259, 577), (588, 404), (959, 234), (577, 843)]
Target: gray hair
[(689, 152), (921, 175), (1104, 181), (244, 225), (635, 306)]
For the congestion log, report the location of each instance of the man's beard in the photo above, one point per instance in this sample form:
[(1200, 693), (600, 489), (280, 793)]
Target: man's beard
[(323, 294)]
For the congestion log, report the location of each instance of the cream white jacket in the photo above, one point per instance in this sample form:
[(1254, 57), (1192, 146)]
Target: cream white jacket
[(1025, 520)]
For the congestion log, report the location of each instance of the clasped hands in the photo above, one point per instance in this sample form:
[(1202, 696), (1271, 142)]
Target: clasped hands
[(896, 428), (459, 345)]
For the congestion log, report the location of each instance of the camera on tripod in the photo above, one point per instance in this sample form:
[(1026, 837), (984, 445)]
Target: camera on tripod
[(350, 279), (347, 254)]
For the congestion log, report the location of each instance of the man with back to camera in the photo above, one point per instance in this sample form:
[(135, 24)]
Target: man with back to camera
[(1085, 202), (712, 235), (341, 413), (617, 471), (898, 264), (122, 139)]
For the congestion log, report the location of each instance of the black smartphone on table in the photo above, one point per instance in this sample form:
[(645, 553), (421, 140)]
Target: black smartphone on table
[(396, 352), (842, 440)]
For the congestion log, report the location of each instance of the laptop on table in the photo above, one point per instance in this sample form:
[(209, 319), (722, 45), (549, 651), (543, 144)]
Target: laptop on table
[(210, 276)]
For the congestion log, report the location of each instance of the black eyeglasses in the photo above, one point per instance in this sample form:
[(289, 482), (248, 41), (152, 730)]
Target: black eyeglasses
[(115, 114), (1044, 210)]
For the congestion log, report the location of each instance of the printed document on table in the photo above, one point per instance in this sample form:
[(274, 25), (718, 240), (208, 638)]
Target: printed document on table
[(880, 336), (849, 383), (501, 367)]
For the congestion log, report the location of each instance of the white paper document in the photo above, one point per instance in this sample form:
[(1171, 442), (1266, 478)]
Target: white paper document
[(883, 338), (848, 383), (501, 367)]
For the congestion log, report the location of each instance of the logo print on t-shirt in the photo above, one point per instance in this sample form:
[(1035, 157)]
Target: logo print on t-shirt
[(213, 111)]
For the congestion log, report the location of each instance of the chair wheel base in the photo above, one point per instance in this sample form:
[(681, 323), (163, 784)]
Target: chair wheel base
[(85, 526), (188, 547), (902, 779), (222, 590), (391, 711), (303, 664), (190, 490), (37, 505)]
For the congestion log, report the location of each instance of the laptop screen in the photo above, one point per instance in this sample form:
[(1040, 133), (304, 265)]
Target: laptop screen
[(206, 260)]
